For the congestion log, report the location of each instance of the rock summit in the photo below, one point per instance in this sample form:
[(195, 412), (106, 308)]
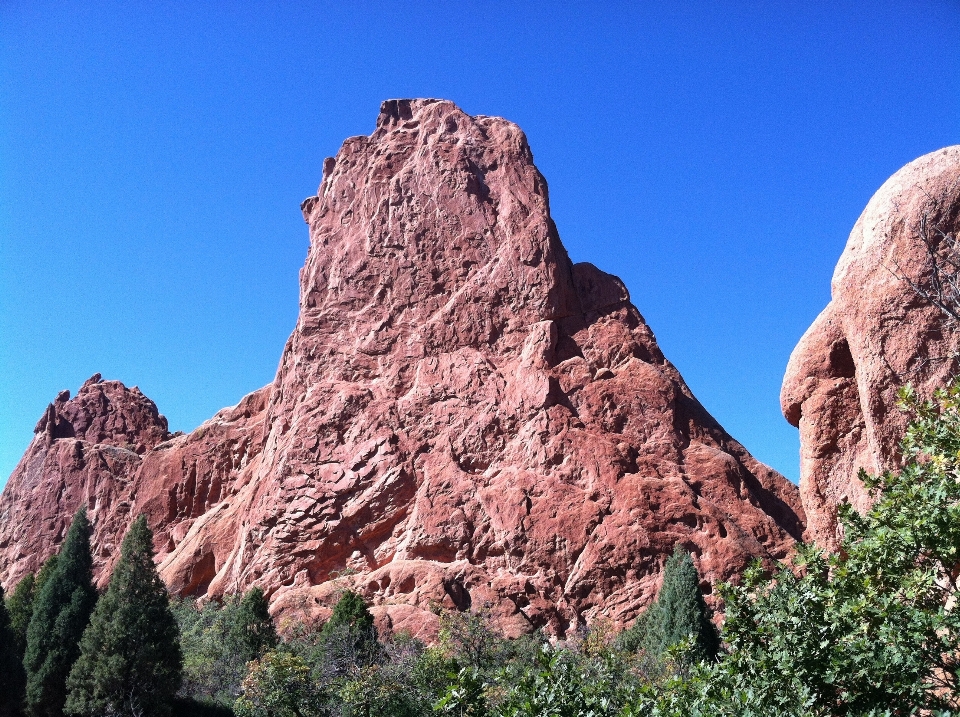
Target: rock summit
[(462, 416)]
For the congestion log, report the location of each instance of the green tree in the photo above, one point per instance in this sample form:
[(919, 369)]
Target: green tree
[(61, 610), (130, 661), (350, 611), (46, 570), (279, 685), (350, 637), (20, 608), (218, 639), (253, 631), (870, 630), (12, 678), (20, 603), (873, 627), (678, 618)]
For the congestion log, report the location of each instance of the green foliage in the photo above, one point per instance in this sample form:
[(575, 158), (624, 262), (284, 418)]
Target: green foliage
[(469, 638), (218, 640), (213, 666), (13, 680), (678, 617), (46, 570), (20, 603), (349, 638), (130, 661), (466, 695), (279, 685), (61, 610), (252, 631), (20, 609), (562, 683), (350, 611), (871, 630)]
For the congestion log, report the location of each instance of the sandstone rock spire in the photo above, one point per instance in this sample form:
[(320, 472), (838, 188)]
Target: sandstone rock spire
[(460, 416)]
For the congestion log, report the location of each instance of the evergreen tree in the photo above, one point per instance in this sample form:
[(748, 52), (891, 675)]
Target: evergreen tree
[(678, 617), (20, 608), (46, 570), (12, 678), (253, 632), (20, 603), (350, 611), (130, 661), (61, 611), (349, 635)]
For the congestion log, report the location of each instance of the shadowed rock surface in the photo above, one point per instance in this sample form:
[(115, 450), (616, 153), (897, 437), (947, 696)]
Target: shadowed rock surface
[(461, 416), (874, 336)]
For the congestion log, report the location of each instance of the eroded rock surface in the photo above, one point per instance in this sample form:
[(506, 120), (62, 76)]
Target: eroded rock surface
[(874, 336), (460, 416)]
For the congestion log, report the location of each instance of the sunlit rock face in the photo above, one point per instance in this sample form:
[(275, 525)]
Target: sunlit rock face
[(461, 417), (876, 335)]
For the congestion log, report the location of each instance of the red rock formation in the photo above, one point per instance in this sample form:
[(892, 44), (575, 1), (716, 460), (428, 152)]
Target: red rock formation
[(874, 336), (461, 415)]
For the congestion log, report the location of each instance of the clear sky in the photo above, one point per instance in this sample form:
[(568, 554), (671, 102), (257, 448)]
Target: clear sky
[(713, 155)]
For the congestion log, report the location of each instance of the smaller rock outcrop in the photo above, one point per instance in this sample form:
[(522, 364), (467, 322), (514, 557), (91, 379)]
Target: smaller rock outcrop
[(874, 336), (84, 451), (108, 448)]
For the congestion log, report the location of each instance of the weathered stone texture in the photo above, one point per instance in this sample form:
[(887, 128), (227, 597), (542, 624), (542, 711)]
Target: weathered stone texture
[(461, 415), (874, 336)]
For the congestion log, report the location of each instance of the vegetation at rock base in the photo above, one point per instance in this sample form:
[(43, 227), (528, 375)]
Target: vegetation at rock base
[(869, 631), (130, 660), (279, 685), (61, 610), (678, 617), (253, 631), (20, 609), (13, 681), (218, 639)]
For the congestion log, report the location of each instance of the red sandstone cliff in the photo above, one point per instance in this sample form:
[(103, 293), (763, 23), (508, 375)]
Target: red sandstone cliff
[(874, 336), (461, 415)]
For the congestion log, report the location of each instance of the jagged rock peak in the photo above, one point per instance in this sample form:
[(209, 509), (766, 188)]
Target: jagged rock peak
[(105, 412), (461, 415)]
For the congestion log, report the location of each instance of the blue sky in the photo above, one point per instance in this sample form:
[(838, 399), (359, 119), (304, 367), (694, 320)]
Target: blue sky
[(713, 155)]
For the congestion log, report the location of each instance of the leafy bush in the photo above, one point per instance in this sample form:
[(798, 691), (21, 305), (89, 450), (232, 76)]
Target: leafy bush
[(218, 639), (279, 685)]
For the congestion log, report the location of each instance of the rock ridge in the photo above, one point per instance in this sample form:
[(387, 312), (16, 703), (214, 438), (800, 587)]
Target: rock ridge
[(461, 416)]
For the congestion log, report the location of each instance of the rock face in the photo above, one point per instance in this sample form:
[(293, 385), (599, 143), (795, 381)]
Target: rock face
[(460, 416), (874, 336)]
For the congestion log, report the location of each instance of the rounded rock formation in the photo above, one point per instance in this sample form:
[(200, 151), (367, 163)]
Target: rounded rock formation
[(876, 335)]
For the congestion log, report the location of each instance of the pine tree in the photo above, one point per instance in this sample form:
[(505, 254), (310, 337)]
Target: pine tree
[(349, 635), (61, 610), (350, 611), (20, 603), (12, 678), (130, 662), (46, 570), (20, 608), (679, 616), (682, 613), (253, 631)]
